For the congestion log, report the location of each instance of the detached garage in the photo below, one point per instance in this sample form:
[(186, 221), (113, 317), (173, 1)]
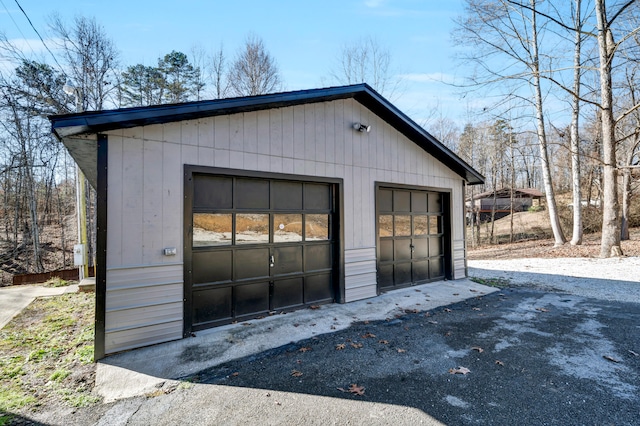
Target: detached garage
[(218, 211)]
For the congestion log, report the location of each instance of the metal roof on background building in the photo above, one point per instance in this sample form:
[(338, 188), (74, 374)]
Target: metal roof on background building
[(93, 122)]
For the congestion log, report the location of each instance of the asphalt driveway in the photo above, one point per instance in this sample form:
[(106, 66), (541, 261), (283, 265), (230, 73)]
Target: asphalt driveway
[(533, 358)]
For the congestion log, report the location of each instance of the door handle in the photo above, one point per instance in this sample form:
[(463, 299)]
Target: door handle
[(271, 261)]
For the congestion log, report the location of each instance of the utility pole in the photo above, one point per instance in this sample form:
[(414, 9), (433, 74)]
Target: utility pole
[(81, 206)]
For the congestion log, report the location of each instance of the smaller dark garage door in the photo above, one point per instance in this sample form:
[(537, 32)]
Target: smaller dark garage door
[(411, 230), (258, 245)]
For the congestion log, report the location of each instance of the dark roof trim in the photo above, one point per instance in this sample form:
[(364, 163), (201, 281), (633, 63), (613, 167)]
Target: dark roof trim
[(94, 122)]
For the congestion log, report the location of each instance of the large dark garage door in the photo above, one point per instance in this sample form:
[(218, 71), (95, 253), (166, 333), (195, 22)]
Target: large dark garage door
[(411, 239), (258, 245)]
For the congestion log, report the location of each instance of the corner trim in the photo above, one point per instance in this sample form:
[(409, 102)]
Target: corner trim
[(101, 248)]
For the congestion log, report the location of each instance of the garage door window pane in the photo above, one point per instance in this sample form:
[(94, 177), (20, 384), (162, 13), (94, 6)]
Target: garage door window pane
[(385, 225), (420, 225), (211, 229), (317, 227), (403, 225), (287, 227), (435, 225), (252, 228)]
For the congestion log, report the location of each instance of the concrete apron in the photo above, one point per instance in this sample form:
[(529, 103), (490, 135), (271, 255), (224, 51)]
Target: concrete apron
[(145, 370)]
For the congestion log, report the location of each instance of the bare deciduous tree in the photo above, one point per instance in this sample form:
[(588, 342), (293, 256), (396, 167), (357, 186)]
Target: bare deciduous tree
[(607, 50), (254, 71), (367, 61), (90, 56), (502, 40)]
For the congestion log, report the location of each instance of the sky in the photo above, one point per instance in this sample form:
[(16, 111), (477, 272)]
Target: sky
[(305, 37)]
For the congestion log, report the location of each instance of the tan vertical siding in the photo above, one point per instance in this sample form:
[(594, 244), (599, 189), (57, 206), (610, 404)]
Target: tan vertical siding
[(145, 194)]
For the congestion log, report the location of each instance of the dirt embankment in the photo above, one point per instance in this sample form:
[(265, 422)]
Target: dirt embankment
[(544, 248)]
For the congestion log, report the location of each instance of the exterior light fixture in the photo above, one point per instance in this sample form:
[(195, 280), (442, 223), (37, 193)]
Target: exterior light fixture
[(361, 127)]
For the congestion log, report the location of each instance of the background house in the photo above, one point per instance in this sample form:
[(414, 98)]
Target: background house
[(216, 211), (483, 204)]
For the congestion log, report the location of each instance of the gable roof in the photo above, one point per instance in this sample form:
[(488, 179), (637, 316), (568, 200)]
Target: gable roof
[(68, 126)]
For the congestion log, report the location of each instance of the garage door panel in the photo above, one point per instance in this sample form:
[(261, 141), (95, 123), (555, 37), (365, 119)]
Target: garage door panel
[(212, 266), (318, 288), (287, 260), (401, 201), (251, 263), (287, 293), (435, 246), (421, 248), (402, 273), (213, 304), (418, 201), (317, 196), (385, 200), (212, 192), (385, 275), (402, 249), (421, 271), (386, 250), (251, 194), (286, 195), (317, 257), (251, 298), (436, 268), (435, 202)]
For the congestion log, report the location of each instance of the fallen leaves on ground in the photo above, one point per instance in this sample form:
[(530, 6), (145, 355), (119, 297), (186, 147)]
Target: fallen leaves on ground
[(478, 349), (340, 346), (354, 389), (305, 349), (447, 310), (314, 307), (384, 342), (498, 362), (459, 370), (542, 309), (368, 335), (356, 345), (296, 373), (610, 358), (401, 351)]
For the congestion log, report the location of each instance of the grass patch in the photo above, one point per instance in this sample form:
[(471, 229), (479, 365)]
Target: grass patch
[(5, 418), (56, 282), (47, 355), (492, 282)]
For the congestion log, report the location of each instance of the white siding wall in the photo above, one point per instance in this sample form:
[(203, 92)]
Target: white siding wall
[(146, 183)]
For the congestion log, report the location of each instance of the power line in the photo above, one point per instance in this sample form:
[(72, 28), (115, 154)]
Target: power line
[(17, 26), (41, 39)]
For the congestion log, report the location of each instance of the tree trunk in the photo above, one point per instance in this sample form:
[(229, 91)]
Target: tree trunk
[(610, 243), (626, 199), (542, 136), (576, 238)]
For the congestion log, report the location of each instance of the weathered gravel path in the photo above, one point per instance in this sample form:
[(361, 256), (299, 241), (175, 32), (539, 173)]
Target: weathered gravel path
[(609, 279)]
